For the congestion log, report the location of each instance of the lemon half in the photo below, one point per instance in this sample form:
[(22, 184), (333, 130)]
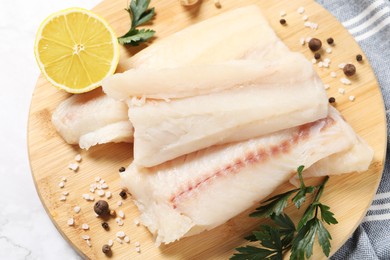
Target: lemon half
[(76, 49)]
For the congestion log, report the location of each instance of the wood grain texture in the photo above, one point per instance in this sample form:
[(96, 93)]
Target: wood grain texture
[(349, 195)]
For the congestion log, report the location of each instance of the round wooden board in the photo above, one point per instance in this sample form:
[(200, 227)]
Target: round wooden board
[(349, 196)]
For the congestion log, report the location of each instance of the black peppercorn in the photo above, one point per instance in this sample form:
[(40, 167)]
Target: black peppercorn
[(122, 169), (123, 194), (359, 57), (283, 21), (106, 249), (315, 44), (330, 40), (101, 208), (332, 100), (105, 226), (349, 70), (317, 56)]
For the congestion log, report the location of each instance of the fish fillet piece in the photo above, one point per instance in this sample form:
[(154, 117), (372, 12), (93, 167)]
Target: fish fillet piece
[(356, 159), (166, 130), (204, 189), (230, 35), (92, 118), (193, 80)]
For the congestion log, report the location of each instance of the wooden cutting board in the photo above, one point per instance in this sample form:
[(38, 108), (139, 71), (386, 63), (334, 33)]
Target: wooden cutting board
[(349, 195)]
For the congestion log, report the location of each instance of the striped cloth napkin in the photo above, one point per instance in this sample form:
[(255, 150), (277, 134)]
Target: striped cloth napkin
[(369, 22)]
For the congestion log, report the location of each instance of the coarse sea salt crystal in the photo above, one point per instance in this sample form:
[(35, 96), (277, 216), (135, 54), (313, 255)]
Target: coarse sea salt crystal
[(64, 179), (328, 50), (73, 166), (61, 184), (121, 214), (104, 186), (136, 222), (92, 190), (108, 194), (88, 242), (137, 244), (65, 193), (119, 203), (85, 237), (342, 65), (138, 250), (119, 221), (320, 64), (102, 181), (305, 17), (76, 209), (127, 239), (62, 198), (308, 39), (85, 226), (78, 158), (70, 222), (110, 243), (314, 61), (119, 240), (301, 10), (302, 41), (97, 179), (326, 86), (341, 91), (351, 98), (101, 193), (283, 13), (333, 74), (86, 196), (345, 81), (120, 234), (327, 60)]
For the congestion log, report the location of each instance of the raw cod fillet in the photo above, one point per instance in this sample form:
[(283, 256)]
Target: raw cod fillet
[(92, 118), (166, 130), (355, 159), (204, 189), (194, 80), (228, 36), (231, 106)]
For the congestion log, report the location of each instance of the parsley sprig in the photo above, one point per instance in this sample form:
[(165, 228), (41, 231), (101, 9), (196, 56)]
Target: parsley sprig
[(139, 14), (282, 235)]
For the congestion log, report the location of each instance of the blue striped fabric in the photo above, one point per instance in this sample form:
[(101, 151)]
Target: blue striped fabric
[(369, 23)]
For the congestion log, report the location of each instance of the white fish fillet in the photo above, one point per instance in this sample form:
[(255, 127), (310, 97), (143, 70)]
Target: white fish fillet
[(204, 189), (166, 130), (92, 118), (230, 35), (193, 80), (356, 159)]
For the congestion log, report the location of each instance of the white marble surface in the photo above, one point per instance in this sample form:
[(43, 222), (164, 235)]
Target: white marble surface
[(26, 232)]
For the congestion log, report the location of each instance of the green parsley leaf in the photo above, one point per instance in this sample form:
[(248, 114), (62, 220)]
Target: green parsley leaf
[(302, 244), (139, 14), (275, 240), (286, 228), (300, 197), (324, 238), (135, 36), (327, 215), (275, 206)]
